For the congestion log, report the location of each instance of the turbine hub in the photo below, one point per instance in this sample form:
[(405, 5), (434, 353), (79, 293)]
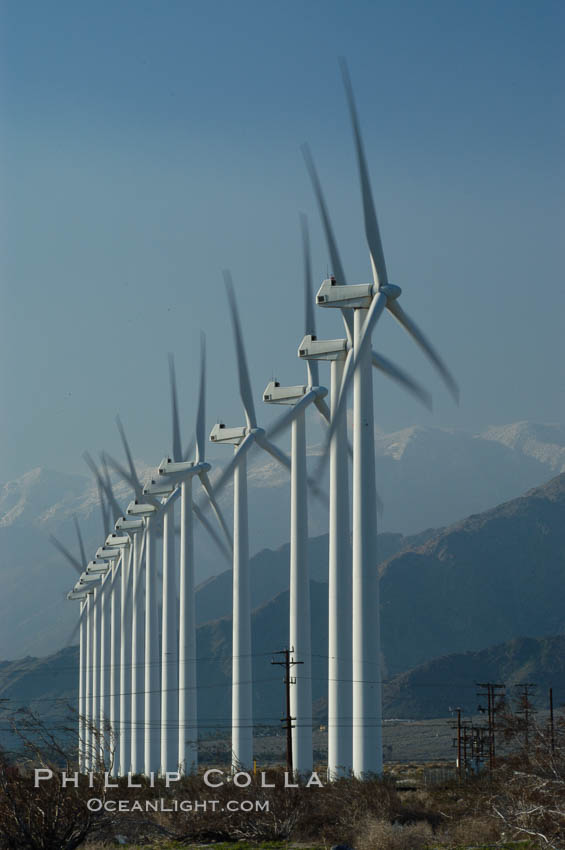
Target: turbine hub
[(391, 291)]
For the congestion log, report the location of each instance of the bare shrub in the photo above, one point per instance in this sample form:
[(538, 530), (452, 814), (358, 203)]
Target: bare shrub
[(382, 835), (48, 817), (471, 830), (527, 791)]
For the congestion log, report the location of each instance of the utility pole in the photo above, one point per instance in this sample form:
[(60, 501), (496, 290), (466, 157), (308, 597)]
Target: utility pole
[(492, 707), (526, 708), (551, 727), (464, 732), (458, 740), (288, 681)]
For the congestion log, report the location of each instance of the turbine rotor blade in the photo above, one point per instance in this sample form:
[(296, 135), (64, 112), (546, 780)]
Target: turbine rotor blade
[(227, 472), (325, 413), (309, 316), (177, 449), (209, 490), (409, 325), (339, 411), (284, 460), (80, 541), (288, 418), (104, 509), (388, 368), (74, 632), (273, 450), (323, 409), (75, 563), (113, 505), (371, 223), (335, 259), (377, 307), (189, 449), (105, 485), (140, 584), (201, 415), (212, 532), (121, 471), (244, 381), (129, 457)]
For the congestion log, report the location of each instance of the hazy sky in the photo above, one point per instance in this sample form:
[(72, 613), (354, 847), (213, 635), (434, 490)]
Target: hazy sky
[(148, 145)]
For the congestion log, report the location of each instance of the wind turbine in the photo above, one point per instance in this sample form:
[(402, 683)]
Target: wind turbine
[(339, 352), (242, 438), (82, 595), (119, 556), (79, 566), (182, 472), (169, 490), (142, 750), (132, 585), (151, 744), (148, 508), (300, 630), (87, 741), (368, 301)]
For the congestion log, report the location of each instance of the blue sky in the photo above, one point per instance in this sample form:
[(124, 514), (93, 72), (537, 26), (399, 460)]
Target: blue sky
[(148, 145)]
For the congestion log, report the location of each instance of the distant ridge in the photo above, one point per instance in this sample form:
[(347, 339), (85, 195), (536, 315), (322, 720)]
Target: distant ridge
[(428, 477), (482, 581)]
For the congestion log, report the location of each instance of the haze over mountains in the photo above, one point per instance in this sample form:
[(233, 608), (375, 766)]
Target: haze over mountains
[(427, 478), (480, 600)]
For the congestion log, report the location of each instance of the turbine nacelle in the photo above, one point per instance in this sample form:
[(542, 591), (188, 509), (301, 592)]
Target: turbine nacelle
[(358, 295), (159, 488), (330, 294), (232, 436), (99, 564), (87, 578), (136, 508), (96, 568), (115, 540), (77, 594), (182, 469), (84, 586), (312, 348), (123, 524), (107, 552), (275, 394)]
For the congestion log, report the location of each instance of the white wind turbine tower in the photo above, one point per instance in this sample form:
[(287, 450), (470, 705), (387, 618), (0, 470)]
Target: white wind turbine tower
[(81, 593), (85, 737), (129, 542), (119, 647), (117, 549), (339, 352), (368, 302), (182, 472), (151, 744), (107, 558), (242, 438), (86, 583), (169, 611), (300, 630), (92, 572), (147, 505)]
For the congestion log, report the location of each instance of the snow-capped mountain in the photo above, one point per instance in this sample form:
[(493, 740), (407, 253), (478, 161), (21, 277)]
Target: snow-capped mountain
[(544, 442), (426, 477)]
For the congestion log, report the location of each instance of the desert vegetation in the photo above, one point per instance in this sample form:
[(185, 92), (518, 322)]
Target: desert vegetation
[(520, 804)]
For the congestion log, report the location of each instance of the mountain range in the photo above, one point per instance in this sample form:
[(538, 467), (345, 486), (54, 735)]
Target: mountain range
[(427, 478), (478, 600)]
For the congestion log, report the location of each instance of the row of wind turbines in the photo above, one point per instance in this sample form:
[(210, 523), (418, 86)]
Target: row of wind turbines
[(137, 679)]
